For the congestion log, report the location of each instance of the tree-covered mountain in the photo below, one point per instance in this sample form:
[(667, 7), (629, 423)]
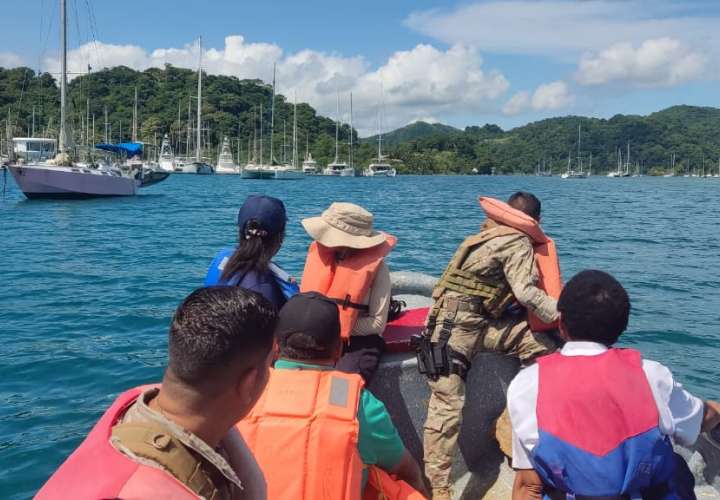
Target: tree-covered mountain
[(413, 131), (692, 133), (231, 108)]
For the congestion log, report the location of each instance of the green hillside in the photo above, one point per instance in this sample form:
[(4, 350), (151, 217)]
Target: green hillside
[(231, 108), (413, 131)]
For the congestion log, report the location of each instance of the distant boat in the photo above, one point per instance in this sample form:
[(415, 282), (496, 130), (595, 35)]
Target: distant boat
[(200, 165), (338, 168), (61, 177), (309, 165), (291, 171), (380, 167), (575, 174), (225, 163), (166, 158)]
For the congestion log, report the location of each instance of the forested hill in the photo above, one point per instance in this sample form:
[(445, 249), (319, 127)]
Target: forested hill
[(413, 131), (231, 107), (692, 133)]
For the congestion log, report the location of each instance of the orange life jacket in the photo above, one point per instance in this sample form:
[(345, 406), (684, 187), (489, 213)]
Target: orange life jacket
[(546, 257), (382, 486), (304, 434), (348, 281), (97, 470)]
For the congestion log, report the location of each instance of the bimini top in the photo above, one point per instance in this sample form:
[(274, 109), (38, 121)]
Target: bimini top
[(129, 148)]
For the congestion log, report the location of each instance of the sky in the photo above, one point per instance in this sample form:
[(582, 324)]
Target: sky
[(507, 62)]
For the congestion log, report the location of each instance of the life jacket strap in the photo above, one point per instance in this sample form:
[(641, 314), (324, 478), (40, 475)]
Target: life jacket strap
[(347, 303)]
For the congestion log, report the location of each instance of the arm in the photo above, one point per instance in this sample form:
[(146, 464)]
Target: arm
[(519, 268), (373, 323), (711, 416), (527, 486), (408, 470)]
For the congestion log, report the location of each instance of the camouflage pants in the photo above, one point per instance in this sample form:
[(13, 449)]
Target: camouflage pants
[(471, 334)]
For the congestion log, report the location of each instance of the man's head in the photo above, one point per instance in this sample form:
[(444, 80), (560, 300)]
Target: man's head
[(593, 306), (220, 344), (309, 329), (526, 203)]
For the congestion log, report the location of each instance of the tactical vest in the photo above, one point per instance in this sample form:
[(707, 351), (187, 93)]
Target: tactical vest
[(494, 296), (153, 442), (98, 470)]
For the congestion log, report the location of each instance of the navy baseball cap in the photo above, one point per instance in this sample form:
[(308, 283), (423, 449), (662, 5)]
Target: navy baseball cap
[(268, 211)]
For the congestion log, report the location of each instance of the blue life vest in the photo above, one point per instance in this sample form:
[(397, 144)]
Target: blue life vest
[(599, 432), (282, 279)]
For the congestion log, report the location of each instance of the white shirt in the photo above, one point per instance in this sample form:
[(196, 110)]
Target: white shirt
[(681, 413)]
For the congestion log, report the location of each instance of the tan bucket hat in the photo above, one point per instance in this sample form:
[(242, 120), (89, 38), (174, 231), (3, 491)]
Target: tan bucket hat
[(344, 225)]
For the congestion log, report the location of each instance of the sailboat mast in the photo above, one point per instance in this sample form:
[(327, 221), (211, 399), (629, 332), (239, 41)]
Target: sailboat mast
[(579, 160), (189, 128), (272, 118), (135, 122), (106, 125), (337, 127), (261, 135), (350, 153), (63, 139), (199, 104), (294, 153)]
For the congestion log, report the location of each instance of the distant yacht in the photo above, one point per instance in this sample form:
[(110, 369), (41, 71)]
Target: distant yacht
[(200, 165), (575, 174), (166, 159), (290, 171), (338, 168), (380, 167), (61, 177), (309, 165), (225, 163)]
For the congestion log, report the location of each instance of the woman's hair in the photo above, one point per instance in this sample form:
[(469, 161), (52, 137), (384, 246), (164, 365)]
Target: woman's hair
[(254, 251)]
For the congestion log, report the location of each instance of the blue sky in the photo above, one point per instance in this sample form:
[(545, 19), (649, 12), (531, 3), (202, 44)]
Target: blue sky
[(463, 63)]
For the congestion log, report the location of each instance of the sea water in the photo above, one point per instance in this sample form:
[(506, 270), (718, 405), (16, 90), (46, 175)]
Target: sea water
[(88, 287)]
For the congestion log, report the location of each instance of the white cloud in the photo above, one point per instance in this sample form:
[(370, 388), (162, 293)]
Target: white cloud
[(10, 60), (517, 103), (552, 96), (661, 62), (416, 83), (565, 28)]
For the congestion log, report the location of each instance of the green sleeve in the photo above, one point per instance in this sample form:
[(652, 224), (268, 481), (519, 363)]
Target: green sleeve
[(379, 442)]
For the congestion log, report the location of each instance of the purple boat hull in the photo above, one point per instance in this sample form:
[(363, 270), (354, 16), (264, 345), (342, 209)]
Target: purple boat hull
[(40, 181)]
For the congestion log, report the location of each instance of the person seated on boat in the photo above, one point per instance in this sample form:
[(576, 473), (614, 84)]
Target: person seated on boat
[(594, 420), (178, 439), (479, 305), (346, 262), (313, 419), (261, 230)]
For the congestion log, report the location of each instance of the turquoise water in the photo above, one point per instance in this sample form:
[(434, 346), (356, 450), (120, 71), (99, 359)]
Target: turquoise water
[(89, 286)]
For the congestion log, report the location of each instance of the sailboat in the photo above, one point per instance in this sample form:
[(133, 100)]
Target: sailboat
[(255, 169), (575, 174), (60, 177), (338, 168), (225, 163), (290, 171), (380, 167), (309, 165), (166, 159), (201, 166)]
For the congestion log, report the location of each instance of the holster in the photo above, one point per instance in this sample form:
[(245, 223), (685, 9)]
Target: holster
[(438, 359)]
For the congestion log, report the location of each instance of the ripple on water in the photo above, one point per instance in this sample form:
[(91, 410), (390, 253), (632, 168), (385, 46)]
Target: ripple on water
[(89, 287)]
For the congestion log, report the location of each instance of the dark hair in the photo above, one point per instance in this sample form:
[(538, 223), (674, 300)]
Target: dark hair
[(594, 306), (527, 203), (216, 329), (303, 346), (254, 251)]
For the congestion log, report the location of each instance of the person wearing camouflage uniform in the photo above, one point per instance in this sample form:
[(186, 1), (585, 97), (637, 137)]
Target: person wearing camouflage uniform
[(488, 273)]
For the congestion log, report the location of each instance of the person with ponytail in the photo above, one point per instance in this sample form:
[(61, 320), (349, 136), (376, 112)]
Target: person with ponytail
[(261, 230)]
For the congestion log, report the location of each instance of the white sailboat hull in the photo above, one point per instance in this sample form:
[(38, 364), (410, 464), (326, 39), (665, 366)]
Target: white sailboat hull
[(257, 173), (46, 181), (345, 172), (226, 170), (380, 173), (185, 168), (282, 174)]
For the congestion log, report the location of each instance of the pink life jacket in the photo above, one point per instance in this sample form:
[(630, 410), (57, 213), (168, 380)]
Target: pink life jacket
[(97, 470)]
